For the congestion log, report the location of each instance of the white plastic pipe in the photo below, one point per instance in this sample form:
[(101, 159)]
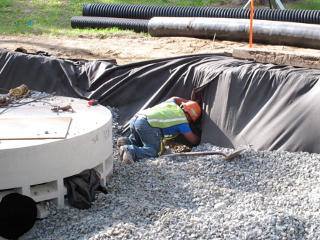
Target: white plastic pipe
[(273, 32)]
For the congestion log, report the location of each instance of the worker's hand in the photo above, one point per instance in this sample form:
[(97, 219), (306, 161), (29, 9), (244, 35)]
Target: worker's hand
[(192, 138)]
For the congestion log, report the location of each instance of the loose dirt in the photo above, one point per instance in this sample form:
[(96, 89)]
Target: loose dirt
[(127, 48)]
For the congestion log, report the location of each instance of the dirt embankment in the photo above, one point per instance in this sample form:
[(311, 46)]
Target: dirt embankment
[(127, 48)]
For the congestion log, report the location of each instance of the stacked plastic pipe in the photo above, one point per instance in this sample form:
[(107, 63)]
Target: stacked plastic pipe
[(285, 27), (137, 25), (148, 12)]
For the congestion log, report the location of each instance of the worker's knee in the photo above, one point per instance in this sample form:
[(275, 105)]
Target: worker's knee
[(142, 152)]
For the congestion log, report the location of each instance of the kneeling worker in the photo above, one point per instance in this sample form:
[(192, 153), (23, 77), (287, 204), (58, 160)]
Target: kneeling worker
[(150, 126)]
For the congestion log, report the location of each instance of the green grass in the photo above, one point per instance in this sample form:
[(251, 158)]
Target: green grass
[(307, 4), (5, 3), (52, 17)]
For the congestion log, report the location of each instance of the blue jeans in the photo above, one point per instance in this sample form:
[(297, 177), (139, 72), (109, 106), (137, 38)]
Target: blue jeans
[(145, 141)]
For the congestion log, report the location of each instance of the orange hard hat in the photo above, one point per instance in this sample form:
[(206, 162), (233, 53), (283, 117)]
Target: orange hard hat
[(193, 109)]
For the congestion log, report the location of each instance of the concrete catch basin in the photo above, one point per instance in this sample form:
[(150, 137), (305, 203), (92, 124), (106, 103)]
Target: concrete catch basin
[(47, 140)]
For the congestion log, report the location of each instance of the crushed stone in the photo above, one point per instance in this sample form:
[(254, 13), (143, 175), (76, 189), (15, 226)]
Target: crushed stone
[(259, 195)]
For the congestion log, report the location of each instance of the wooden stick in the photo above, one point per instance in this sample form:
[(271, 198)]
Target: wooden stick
[(226, 156)]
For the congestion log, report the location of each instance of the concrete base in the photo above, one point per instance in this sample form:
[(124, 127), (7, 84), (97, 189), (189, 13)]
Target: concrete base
[(37, 167), (296, 59)]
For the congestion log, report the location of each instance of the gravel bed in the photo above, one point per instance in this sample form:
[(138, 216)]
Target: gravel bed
[(260, 195)]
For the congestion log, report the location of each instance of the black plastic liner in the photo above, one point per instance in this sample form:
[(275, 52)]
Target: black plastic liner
[(267, 106), (147, 12), (137, 25)]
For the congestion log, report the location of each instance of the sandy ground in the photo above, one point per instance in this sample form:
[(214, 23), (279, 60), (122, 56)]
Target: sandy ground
[(127, 48)]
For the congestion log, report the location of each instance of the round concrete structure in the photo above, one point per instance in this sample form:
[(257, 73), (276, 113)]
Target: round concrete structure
[(41, 144)]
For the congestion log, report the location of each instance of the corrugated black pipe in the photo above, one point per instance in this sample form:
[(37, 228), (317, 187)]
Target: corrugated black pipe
[(280, 33), (147, 12), (137, 25)]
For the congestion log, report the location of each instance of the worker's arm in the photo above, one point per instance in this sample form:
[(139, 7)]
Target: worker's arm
[(192, 138), (179, 100)]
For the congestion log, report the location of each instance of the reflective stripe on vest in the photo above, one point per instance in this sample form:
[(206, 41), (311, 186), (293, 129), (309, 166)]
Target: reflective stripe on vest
[(164, 115)]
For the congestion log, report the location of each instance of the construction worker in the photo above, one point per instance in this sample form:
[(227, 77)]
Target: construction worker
[(151, 126)]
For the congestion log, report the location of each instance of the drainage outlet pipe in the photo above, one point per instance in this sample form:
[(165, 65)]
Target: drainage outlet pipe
[(147, 12), (273, 32), (137, 25)]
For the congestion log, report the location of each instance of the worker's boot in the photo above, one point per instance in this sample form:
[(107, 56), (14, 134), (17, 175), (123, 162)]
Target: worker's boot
[(122, 141), (125, 156)]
